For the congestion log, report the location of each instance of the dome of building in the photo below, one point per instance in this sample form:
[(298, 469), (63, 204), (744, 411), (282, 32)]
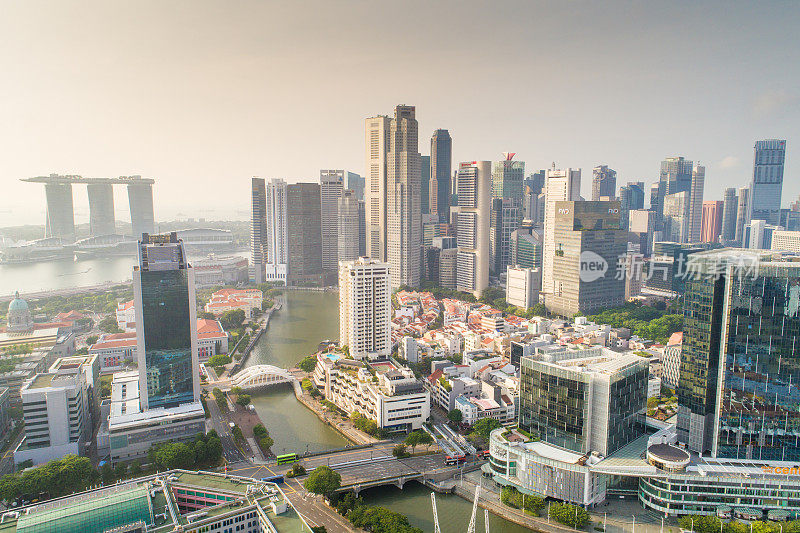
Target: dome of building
[(19, 315)]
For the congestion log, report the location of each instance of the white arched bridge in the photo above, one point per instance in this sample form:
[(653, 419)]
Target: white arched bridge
[(256, 376)]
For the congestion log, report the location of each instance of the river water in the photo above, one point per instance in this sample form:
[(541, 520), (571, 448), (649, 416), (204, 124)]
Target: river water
[(63, 274)]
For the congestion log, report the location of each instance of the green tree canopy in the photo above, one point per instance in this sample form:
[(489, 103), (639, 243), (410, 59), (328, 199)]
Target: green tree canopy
[(323, 480), (455, 416), (485, 426)]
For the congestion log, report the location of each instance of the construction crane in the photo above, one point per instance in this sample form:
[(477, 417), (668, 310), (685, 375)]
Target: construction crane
[(471, 528), (436, 528), (486, 519)]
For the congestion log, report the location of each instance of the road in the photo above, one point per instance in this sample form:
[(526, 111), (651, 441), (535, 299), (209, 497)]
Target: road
[(219, 422)]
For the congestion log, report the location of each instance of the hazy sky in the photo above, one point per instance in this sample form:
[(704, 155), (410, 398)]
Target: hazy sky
[(202, 95)]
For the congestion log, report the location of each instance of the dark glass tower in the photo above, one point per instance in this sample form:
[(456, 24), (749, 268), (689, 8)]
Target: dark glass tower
[(166, 317), (740, 366), (441, 165)]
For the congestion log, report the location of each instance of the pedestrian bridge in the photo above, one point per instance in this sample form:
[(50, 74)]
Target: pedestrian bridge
[(256, 376)]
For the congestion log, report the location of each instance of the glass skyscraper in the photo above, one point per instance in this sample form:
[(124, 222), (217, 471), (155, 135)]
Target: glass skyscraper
[(166, 316), (740, 366), (767, 184)]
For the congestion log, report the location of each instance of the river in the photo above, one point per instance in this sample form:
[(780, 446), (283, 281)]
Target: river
[(63, 274), (306, 318)]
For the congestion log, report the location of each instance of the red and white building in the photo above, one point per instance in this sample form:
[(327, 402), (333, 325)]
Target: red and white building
[(113, 349), (230, 299), (126, 316)]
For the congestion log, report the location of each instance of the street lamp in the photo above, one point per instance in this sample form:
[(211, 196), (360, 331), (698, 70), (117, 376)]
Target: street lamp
[(633, 526)]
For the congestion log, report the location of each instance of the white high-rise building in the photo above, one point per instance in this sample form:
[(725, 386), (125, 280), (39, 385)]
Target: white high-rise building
[(258, 230), (403, 203), (365, 308), (277, 231), (331, 184), (349, 227), (522, 286), (786, 241), (559, 185), (377, 147), (474, 199), (696, 204)]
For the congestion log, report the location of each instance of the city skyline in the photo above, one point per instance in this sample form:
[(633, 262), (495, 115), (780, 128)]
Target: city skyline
[(198, 87)]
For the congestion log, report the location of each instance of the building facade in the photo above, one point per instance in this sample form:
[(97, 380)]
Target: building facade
[(331, 183), (712, 221), (365, 308), (474, 180), (304, 234), (522, 286), (560, 185), (767, 184), (258, 230), (604, 183), (349, 227), (441, 164)]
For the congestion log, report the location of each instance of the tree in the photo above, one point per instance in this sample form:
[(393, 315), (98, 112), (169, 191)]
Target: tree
[(206, 315), (107, 473), (323, 480), (174, 455), (569, 515), (243, 399), (266, 442), (703, 524), (307, 363), (298, 470), (418, 437), (219, 360), (485, 426), (219, 396), (400, 451), (120, 470), (455, 416), (136, 469), (237, 433), (319, 529), (232, 319), (109, 325), (91, 339)]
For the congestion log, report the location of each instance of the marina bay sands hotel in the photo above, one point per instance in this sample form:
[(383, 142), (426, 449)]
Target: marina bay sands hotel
[(60, 221)]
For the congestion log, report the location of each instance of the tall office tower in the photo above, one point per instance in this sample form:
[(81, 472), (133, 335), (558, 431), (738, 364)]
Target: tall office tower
[(331, 183), (166, 323), (604, 182), (430, 228), (404, 227), (101, 209), (355, 183), (675, 176), (425, 184), (712, 221), (495, 234), (362, 228), (560, 185), (507, 184), (742, 213), (631, 196), (375, 192), (526, 247), (60, 220), (348, 227), (448, 268), (767, 185), (140, 201), (474, 184), (641, 226), (441, 167), (588, 246), (729, 205), (304, 235), (736, 391), (258, 230), (275, 268), (675, 220), (536, 181), (365, 308), (695, 215)]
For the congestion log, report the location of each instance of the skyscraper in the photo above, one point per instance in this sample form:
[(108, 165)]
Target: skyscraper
[(588, 246), (441, 165), (331, 184), (355, 183), (258, 230), (742, 213), (474, 183), (277, 231), (166, 323), (304, 236), (140, 202), (348, 227), (737, 390), (559, 185), (375, 194), (508, 177), (365, 308), (101, 209), (425, 184), (695, 215), (604, 182), (730, 203), (631, 196), (60, 221), (675, 176), (675, 221), (404, 227), (767, 185), (712, 221)]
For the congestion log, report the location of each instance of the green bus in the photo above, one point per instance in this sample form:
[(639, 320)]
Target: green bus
[(287, 458)]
